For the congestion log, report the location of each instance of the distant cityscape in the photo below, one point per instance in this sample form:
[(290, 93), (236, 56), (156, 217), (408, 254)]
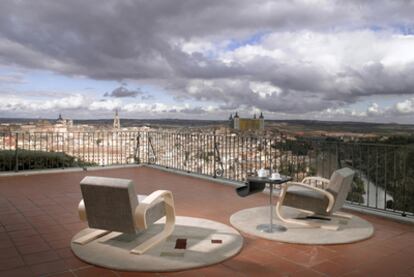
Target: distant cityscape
[(234, 124), (117, 141)]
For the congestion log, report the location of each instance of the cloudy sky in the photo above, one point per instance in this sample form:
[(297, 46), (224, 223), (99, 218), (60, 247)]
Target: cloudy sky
[(303, 59)]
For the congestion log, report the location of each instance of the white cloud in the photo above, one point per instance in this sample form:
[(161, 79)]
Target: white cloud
[(72, 102), (333, 52), (108, 105), (197, 45), (155, 108), (405, 107), (78, 104), (145, 107), (399, 50), (264, 89), (374, 109), (331, 111), (77, 101), (248, 53)]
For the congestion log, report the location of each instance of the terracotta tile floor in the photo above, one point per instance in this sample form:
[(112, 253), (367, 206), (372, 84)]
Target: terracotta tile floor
[(38, 217)]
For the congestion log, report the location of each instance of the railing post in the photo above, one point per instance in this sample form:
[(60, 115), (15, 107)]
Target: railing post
[(405, 208), (137, 149), (338, 156), (214, 154), (147, 146), (16, 154)]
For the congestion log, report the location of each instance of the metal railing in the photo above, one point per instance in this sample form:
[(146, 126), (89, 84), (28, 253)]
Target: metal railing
[(40, 150), (382, 181), (384, 173)]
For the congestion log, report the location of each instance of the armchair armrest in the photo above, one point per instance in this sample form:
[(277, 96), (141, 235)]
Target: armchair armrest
[(82, 211), (148, 202), (311, 179), (315, 178), (330, 197), (140, 219)]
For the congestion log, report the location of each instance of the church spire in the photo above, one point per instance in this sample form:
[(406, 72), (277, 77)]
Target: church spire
[(117, 122)]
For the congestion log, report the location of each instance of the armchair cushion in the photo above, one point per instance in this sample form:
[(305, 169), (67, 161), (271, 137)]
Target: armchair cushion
[(109, 203), (307, 200), (340, 185)]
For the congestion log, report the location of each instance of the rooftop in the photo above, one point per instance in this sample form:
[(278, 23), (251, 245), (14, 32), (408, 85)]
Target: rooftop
[(39, 218)]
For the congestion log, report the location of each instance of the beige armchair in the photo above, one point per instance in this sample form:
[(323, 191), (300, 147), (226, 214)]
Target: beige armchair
[(316, 196), (111, 204)]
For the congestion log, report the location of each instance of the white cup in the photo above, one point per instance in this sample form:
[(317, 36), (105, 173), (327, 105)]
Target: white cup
[(276, 176)]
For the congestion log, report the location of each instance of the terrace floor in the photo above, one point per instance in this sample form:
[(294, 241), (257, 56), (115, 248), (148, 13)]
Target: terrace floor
[(38, 217)]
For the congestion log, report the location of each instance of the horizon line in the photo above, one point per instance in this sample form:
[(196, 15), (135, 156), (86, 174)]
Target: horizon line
[(220, 120)]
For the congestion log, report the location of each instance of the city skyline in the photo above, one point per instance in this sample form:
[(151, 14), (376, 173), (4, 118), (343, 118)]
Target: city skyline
[(322, 60)]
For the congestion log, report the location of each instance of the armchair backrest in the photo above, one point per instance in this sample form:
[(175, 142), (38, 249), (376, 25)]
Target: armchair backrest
[(340, 185), (109, 203)]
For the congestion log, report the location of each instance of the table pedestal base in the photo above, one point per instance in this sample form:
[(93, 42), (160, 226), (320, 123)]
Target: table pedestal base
[(265, 228)]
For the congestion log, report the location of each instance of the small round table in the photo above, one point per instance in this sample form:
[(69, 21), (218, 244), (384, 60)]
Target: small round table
[(270, 227)]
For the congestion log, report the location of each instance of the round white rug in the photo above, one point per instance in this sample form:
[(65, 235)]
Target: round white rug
[(350, 230), (195, 242)]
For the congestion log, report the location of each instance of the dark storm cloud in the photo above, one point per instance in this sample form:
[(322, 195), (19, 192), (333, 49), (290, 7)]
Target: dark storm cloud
[(121, 92), (234, 94), (143, 40)]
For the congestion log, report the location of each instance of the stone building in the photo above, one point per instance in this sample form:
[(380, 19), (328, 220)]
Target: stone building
[(246, 124), (117, 121)]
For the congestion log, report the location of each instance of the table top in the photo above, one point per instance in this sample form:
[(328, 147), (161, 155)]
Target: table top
[(267, 180)]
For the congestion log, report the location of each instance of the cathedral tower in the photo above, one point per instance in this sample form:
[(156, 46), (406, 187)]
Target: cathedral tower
[(117, 122)]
